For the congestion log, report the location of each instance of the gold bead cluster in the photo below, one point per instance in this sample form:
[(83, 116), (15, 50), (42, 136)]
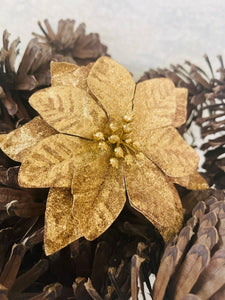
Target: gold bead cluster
[(123, 147)]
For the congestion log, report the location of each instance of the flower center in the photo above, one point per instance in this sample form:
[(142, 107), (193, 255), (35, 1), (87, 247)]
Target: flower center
[(124, 148)]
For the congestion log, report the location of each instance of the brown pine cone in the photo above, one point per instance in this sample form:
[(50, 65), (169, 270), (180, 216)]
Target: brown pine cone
[(193, 263)]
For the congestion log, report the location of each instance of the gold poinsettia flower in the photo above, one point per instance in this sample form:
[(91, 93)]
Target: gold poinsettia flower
[(100, 139)]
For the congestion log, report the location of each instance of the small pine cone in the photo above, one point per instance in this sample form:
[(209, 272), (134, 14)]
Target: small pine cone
[(74, 46), (193, 263)]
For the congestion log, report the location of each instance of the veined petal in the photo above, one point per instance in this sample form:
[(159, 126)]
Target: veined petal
[(113, 86), (154, 104), (169, 151), (89, 175), (62, 73), (61, 228), (70, 75), (99, 197), (18, 143), (50, 162), (181, 95), (192, 182), (69, 110), (2, 138), (81, 75), (152, 195)]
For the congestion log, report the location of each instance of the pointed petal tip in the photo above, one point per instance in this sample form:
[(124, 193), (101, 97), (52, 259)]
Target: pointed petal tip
[(112, 85), (168, 150), (152, 195), (61, 228), (18, 143), (194, 181), (69, 109), (92, 207)]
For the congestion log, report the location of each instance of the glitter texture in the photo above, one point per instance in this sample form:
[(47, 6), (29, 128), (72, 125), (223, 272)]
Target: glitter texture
[(89, 180)]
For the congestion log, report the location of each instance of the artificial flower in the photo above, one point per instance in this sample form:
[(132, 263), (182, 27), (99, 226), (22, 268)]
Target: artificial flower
[(99, 141)]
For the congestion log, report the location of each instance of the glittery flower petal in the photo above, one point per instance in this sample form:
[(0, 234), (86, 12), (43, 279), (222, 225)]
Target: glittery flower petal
[(76, 77), (99, 197), (69, 110), (62, 73), (50, 162), (113, 86), (80, 77), (192, 182), (154, 104), (167, 149), (152, 195), (181, 95), (61, 228), (17, 143)]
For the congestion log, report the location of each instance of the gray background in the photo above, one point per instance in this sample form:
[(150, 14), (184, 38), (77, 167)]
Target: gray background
[(140, 34)]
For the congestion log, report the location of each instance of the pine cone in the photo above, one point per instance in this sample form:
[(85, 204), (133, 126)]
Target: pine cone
[(73, 46), (192, 266)]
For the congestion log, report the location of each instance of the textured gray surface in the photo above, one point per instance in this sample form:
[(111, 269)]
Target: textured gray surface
[(139, 34)]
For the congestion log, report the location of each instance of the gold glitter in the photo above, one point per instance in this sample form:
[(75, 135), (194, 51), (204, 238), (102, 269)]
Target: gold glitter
[(128, 118), (113, 127), (103, 146), (61, 228), (128, 141), (88, 148), (140, 155), (136, 145), (127, 128), (114, 162), (118, 152), (128, 159), (18, 143), (98, 136), (113, 139)]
